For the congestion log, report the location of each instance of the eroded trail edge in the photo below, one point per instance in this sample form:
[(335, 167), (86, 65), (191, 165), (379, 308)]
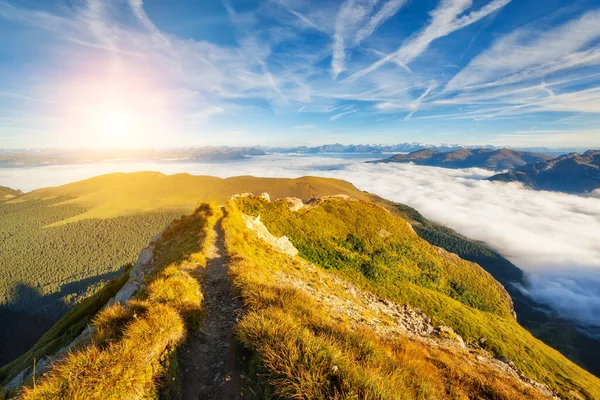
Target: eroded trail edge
[(209, 366)]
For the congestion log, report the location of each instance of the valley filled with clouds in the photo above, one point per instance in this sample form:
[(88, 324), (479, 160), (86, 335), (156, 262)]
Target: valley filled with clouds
[(552, 236)]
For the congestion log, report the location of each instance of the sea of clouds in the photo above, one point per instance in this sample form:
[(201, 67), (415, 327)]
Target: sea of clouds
[(554, 237)]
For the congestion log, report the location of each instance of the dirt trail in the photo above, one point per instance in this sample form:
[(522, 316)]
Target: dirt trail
[(209, 367)]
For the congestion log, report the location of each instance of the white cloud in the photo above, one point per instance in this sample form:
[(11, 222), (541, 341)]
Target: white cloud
[(386, 11), (529, 53), (444, 21), (351, 14), (552, 236), (340, 115), (137, 7)]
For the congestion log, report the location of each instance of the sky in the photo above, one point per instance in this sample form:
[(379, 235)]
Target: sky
[(158, 73)]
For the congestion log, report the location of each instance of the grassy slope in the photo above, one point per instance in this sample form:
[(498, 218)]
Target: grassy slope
[(117, 214), (476, 310), (133, 347), (300, 349), (535, 317), (66, 329), (7, 193), (124, 194)]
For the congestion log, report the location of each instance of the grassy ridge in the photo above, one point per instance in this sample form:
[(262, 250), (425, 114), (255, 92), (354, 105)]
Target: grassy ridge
[(537, 318), (133, 346), (300, 349), (117, 214), (478, 310), (120, 194)]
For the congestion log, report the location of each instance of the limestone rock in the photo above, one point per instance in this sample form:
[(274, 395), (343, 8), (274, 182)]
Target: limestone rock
[(238, 195), (294, 203), (265, 196), (281, 244)]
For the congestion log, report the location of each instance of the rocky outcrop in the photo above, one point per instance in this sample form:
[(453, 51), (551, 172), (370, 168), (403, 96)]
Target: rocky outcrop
[(294, 203), (281, 244), (265, 196)]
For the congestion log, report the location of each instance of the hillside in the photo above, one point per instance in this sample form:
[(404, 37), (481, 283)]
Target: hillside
[(537, 318), (496, 160), (8, 193), (47, 268), (119, 213), (366, 309), (571, 173)]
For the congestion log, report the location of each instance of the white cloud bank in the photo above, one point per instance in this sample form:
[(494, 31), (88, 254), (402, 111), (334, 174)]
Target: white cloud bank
[(552, 236)]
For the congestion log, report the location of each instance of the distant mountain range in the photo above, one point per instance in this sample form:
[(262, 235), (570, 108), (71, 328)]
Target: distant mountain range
[(14, 158), (496, 160), (43, 157), (571, 173)]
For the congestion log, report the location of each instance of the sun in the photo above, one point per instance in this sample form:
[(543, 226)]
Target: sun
[(123, 112), (116, 124)]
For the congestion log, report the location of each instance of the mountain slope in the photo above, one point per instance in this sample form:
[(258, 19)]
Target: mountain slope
[(353, 240), (496, 160), (537, 318), (571, 173), (323, 324), (117, 215), (7, 193)]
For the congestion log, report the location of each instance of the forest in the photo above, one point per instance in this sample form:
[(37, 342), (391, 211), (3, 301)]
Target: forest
[(46, 270)]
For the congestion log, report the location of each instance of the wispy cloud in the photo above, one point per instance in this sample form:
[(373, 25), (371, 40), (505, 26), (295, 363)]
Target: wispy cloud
[(138, 10), (351, 14), (529, 53), (340, 115), (414, 107), (386, 11), (444, 21), (280, 59)]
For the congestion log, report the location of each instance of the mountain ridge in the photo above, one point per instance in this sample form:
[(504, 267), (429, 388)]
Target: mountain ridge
[(283, 297), (497, 160), (570, 173), (7, 193), (93, 193)]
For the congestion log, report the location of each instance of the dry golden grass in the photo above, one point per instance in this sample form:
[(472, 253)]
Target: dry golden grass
[(129, 350), (301, 351), (125, 369), (118, 194)]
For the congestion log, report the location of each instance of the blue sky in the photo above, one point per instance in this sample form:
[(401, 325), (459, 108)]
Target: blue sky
[(127, 73)]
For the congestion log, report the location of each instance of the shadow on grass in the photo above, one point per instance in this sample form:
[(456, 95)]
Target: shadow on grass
[(30, 315)]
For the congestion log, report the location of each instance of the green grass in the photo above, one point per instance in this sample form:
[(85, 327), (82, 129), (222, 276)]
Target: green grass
[(300, 349), (7, 193), (116, 214), (344, 238)]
